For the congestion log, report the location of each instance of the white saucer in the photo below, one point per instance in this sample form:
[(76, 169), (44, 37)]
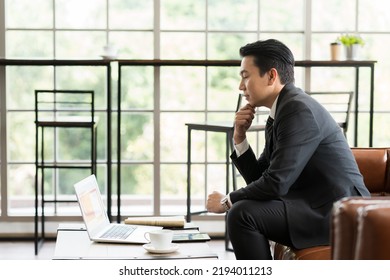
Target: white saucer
[(148, 247)]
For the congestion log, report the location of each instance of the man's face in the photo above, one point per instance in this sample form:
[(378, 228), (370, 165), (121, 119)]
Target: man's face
[(257, 90)]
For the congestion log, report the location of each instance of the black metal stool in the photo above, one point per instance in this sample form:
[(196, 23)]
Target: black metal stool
[(57, 110)]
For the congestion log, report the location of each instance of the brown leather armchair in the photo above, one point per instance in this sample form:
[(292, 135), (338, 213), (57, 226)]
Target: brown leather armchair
[(347, 221), (372, 242), (374, 164)]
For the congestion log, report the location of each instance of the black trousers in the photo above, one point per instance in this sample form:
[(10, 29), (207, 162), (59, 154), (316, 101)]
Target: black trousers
[(252, 223)]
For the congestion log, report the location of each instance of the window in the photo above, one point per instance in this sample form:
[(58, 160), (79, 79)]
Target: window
[(157, 102)]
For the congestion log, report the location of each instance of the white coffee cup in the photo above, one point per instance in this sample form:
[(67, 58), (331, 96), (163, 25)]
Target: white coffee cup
[(110, 50), (160, 239)]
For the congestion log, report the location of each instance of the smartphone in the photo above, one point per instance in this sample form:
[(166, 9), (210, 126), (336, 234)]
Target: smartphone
[(190, 237)]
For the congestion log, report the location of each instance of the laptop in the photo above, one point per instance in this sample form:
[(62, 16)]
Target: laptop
[(96, 220)]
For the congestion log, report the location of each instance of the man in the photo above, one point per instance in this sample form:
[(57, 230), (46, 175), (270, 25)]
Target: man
[(305, 167)]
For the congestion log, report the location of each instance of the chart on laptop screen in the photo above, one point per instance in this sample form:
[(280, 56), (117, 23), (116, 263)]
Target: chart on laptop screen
[(93, 211)]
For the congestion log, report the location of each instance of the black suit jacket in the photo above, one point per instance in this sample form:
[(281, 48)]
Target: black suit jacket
[(309, 167)]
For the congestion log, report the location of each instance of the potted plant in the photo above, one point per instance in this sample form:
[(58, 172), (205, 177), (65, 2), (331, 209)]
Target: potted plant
[(352, 43)]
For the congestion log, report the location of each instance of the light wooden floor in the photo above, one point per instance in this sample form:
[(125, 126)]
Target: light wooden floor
[(24, 250)]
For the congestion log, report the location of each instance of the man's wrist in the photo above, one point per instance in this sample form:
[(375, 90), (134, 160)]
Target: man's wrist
[(226, 203), (241, 148), (239, 139)]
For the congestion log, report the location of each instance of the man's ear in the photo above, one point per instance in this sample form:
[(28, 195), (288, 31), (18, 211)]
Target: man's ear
[(272, 75)]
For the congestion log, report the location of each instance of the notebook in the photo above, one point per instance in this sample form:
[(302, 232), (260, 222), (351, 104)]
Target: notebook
[(96, 220)]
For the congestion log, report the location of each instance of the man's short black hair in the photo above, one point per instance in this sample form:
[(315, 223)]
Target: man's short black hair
[(269, 54)]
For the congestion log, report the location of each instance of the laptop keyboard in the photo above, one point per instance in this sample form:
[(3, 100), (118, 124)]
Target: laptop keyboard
[(118, 232)]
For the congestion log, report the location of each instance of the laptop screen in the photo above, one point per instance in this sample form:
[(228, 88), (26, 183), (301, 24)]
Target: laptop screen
[(91, 204)]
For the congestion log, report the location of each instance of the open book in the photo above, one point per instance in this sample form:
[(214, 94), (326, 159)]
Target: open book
[(162, 221)]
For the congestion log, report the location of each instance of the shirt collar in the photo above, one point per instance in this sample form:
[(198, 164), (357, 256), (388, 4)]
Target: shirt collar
[(273, 108)]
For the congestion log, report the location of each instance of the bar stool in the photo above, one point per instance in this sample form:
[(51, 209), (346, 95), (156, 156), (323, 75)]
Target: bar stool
[(58, 112)]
